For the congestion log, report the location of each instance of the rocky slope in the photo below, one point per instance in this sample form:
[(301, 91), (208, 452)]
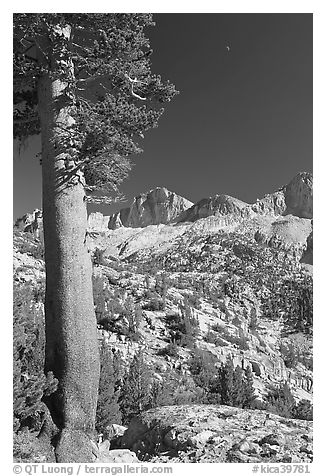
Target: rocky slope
[(217, 433)]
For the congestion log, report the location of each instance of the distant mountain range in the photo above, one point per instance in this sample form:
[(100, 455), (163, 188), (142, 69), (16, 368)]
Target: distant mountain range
[(161, 206)]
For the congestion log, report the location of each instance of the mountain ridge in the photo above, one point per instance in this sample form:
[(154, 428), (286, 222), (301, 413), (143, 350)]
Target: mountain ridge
[(158, 206), (161, 206), (295, 198)]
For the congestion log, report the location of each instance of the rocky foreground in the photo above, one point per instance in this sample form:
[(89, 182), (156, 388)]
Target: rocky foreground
[(217, 434)]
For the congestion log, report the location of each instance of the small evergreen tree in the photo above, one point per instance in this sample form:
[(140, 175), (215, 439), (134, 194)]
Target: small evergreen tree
[(161, 285), (108, 410), (190, 325), (281, 401), (226, 382), (176, 390), (203, 368), (249, 390), (135, 395), (238, 388), (228, 386), (137, 318), (303, 410), (147, 282)]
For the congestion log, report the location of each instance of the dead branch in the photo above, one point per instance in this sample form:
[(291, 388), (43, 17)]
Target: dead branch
[(133, 82)]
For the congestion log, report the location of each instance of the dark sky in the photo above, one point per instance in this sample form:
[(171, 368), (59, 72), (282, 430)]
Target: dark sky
[(242, 123)]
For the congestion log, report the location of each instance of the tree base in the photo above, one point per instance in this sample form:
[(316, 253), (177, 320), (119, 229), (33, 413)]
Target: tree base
[(75, 446)]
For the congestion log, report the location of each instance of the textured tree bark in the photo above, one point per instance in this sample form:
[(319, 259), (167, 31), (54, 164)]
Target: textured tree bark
[(71, 338)]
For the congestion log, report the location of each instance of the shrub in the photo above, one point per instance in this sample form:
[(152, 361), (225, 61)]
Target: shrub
[(98, 257), (307, 361), (203, 367), (289, 355), (293, 354), (155, 304), (183, 327), (193, 300), (107, 306), (303, 410), (133, 314), (171, 349), (240, 342), (177, 390), (27, 447), (218, 328), (231, 287), (212, 338), (33, 248), (281, 401)]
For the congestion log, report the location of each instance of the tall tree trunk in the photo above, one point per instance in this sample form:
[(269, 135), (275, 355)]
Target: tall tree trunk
[(71, 338)]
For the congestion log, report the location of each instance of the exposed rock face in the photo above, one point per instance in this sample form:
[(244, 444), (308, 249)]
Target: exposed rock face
[(31, 223), (298, 195), (219, 206), (97, 221), (294, 198), (157, 206), (218, 433), (271, 204), (307, 256)]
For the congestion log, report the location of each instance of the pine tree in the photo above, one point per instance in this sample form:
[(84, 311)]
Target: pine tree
[(225, 381), (237, 391), (249, 391), (281, 401), (303, 410), (135, 395), (82, 81), (138, 316), (232, 386), (108, 410)]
